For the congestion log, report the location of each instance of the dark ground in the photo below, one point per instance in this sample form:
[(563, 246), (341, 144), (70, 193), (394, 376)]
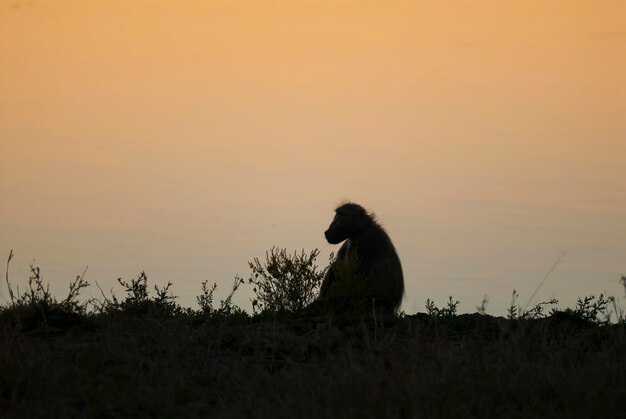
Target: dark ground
[(467, 366)]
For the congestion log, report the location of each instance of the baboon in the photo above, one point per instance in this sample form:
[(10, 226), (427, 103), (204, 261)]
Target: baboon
[(369, 253)]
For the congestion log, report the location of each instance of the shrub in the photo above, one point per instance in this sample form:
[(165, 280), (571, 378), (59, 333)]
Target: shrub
[(515, 312), (226, 308), (285, 282), (596, 309), (138, 300), (36, 307), (449, 310)]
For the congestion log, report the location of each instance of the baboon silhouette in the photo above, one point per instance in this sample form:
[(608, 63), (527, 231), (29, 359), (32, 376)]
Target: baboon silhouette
[(369, 255)]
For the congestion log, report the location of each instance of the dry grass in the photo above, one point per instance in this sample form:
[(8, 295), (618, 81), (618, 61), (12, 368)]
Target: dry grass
[(145, 356), (467, 366)]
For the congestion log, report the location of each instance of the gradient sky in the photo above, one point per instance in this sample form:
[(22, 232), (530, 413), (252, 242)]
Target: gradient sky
[(184, 139)]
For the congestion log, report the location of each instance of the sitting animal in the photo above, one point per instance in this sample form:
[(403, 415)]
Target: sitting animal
[(367, 255)]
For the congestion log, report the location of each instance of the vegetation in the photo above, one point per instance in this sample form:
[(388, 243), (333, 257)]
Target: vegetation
[(145, 356), (285, 283)]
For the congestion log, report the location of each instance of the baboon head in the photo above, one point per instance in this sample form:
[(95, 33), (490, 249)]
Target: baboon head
[(350, 219)]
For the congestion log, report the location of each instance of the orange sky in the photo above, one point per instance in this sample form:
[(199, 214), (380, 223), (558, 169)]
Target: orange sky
[(187, 138)]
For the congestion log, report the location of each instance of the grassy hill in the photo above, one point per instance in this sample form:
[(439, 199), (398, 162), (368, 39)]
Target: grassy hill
[(465, 366), (145, 356)]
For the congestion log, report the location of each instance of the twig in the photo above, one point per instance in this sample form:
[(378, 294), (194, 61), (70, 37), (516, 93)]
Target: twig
[(556, 262), (7, 277)]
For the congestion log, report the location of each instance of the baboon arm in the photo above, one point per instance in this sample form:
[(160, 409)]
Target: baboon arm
[(329, 279), (331, 275)]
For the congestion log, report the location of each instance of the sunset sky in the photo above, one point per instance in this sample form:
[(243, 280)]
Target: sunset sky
[(186, 138)]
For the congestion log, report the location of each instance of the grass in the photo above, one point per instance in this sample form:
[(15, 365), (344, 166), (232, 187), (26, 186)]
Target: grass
[(145, 356)]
